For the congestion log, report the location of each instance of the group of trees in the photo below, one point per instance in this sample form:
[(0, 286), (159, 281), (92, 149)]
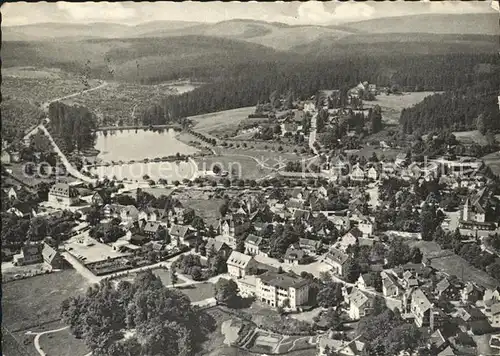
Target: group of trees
[(465, 108), (163, 320), (72, 126)]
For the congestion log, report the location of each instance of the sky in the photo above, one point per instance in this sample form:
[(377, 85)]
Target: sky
[(311, 12)]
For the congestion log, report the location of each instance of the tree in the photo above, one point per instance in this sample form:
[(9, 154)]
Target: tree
[(216, 169), (330, 295), (226, 291), (173, 276)]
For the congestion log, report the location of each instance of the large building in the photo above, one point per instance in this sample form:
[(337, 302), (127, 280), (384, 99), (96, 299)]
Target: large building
[(64, 194), (282, 290)]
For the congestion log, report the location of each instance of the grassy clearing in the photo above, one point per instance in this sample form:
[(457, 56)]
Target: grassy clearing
[(392, 105), (18, 344), (247, 166), (207, 209), (367, 152), (198, 292), (493, 161), (221, 122), (37, 300), (63, 343)]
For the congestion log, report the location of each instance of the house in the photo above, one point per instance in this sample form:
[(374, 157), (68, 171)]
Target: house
[(238, 264), (289, 126), (220, 248), (471, 293), (357, 174), (97, 199), (5, 159), (390, 285), (310, 246), (253, 244), (360, 305), (366, 281), (420, 308), (225, 227), (151, 228), (471, 319), (337, 259), (30, 253), (342, 223), (478, 207), (300, 214), (139, 240), (349, 239), (179, 232), (294, 255), (51, 256), (494, 315), (227, 239), (372, 173), (282, 290), (11, 193), (23, 210), (366, 225), (298, 116), (64, 194), (437, 341), (322, 191), (328, 342), (448, 352), (448, 289), (129, 213), (495, 339), (401, 159), (149, 214)]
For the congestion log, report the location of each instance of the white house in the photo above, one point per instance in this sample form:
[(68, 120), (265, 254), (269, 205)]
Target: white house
[(366, 226), (357, 174), (64, 194), (372, 173), (359, 304), (238, 264), (337, 259), (280, 289), (252, 245)]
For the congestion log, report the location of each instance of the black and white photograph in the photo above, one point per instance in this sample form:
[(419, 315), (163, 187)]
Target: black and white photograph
[(250, 178)]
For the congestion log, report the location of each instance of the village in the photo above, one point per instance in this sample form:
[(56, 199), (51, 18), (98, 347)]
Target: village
[(342, 243)]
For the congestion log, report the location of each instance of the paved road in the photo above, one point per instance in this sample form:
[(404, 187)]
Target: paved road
[(45, 106), (80, 268), (312, 134)]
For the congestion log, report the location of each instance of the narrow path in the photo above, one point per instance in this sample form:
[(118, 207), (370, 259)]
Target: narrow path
[(37, 338)]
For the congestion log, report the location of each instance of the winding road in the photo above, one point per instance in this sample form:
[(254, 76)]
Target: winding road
[(37, 338)]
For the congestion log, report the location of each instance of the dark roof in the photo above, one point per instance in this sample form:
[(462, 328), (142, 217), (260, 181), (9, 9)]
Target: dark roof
[(282, 280), (355, 232), (178, 230), (253, 239), (138, 238), (310, 243), (337, 256), (25, 207), (294, 254), (215, 244), (152, 226), (302, 214)]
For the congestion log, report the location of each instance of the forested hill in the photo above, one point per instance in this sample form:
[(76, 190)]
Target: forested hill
[(467, 108), (248, 84)]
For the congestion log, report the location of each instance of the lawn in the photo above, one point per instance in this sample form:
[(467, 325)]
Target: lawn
[(447, 261), (244, 167), (392, 105), (18, 344), (493, 161), (207, 209), (31, 302), (367, 152), (221, 122), (63, 343), (198, 292)]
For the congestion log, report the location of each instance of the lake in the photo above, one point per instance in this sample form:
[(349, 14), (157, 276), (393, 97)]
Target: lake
[(127, 145)]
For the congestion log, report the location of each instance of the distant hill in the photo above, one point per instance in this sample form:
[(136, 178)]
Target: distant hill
[(483, 24)]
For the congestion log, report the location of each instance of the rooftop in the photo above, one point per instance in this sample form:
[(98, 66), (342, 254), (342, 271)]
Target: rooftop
[(282, 280)]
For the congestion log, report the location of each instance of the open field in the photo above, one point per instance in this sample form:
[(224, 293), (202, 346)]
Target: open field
[(199, 291), (493, 161), (367, 152), (221, 122), (34, 301), (63, 343), (246, 167), (392, 105), (18, 344), (448, 262), (207, 209)]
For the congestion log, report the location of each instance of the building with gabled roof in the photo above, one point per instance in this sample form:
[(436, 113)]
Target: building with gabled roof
[(64, 194), (219, 247), (360, 304), (337, 259), (253, 245), (51, 256), (421, 308), (280, 289), (238, 264)]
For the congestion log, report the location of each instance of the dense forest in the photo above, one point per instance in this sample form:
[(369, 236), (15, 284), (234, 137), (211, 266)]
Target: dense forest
[(72, 126), (468, 107), (245, 85)]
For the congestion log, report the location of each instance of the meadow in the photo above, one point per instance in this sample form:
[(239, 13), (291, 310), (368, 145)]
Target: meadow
[(222, 122)]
